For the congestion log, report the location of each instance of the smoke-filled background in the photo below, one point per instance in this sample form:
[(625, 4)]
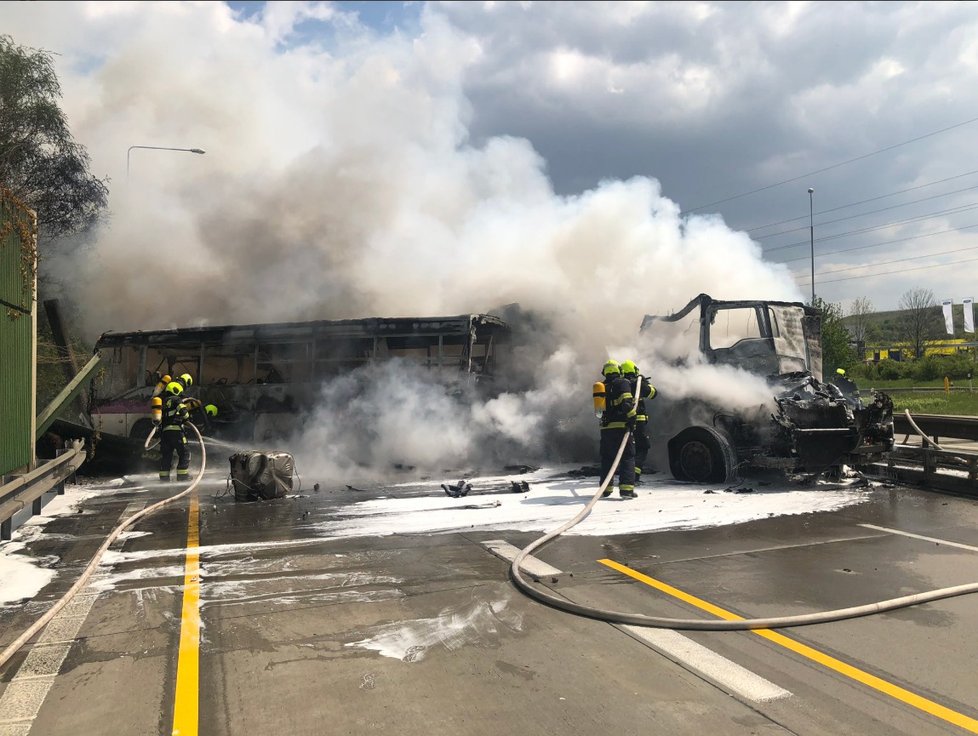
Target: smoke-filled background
[(341, 181)]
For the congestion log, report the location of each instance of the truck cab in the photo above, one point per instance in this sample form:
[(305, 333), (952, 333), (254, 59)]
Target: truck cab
[(807, 426)]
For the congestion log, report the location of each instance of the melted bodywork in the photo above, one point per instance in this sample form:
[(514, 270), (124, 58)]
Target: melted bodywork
[(261, 376), (814, 426)]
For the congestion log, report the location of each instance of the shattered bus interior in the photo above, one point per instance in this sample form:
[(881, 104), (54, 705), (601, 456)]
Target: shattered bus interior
[(810, 426), (260, 375)]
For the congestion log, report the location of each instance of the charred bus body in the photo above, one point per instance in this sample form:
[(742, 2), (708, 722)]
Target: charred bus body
[(260, 375), (814, 426)]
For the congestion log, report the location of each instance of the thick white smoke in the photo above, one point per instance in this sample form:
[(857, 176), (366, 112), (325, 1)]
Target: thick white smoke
[(342, 183)]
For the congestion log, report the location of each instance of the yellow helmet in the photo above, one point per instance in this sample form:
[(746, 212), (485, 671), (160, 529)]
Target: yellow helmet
[(840, 371), (628, 368), (187, 379), (611, 368), (210, 410), (174, 388)]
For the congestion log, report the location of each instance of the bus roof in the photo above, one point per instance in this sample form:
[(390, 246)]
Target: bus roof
[(298, 331)]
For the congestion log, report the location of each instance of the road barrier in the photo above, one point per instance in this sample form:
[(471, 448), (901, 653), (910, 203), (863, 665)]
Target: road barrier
[(936, 426), (955, 471), (929, 465), (18, 491)]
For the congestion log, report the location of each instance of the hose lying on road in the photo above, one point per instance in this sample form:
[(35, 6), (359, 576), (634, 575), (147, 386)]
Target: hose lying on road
[(38, 625), (637, 619)]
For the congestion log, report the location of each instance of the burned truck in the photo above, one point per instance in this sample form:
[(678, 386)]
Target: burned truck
[(808, 425)]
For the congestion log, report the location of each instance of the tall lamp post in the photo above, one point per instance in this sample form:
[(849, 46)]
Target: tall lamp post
[(158, 148), (811, 233)]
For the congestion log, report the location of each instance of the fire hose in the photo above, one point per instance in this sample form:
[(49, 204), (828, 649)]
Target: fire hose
[(923, 436), (38, 625), (638, 619)]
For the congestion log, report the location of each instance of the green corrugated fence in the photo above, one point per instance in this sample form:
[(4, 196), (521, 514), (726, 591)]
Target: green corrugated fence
[(18, 265)]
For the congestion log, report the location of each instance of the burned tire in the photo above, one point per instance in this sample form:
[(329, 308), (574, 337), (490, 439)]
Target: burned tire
[(701, 455)]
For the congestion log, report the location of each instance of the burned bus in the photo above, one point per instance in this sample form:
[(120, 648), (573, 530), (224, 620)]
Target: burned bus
[(259, 375), (808, 426)]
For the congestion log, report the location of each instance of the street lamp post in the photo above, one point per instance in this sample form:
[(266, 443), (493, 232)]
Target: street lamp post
[(158, 148), (811, 233)]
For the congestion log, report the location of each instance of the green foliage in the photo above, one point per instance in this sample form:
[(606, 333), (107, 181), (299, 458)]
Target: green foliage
[(885, 370), (39, 158), (889, 370), (836, 352), (862, 372), (957, 403), (933, 367)]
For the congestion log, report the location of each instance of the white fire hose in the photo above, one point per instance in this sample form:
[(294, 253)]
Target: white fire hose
[(38, 625), (638, 619), (923, 436)]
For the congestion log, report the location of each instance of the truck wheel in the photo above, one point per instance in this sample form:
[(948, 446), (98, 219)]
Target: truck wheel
[(701, 455)]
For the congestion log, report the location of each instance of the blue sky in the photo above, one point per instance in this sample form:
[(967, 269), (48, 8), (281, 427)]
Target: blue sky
[(381, 15)]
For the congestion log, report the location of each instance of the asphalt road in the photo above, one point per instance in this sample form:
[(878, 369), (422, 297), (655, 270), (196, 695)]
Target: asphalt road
[(304, 632)]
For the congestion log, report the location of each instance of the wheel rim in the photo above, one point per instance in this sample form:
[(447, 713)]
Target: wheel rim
[(696, 460)]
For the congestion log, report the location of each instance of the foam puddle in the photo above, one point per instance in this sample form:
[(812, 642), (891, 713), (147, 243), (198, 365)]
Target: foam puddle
[(23, 576), (661, 505), (409, 641)]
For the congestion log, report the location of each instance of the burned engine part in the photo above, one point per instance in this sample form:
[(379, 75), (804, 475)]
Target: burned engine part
[(258, 475)]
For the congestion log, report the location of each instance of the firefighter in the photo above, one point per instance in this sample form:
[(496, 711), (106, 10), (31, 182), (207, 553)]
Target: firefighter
[(616, 421), (847, 387), (643, 442), (199, 413), (172, 437)]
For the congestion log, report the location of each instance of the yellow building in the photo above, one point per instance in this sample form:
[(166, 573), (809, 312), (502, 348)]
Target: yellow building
[(902, 351)]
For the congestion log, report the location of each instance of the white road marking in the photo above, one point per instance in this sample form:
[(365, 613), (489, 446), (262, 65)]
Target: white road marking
[(25, 693), (720, 670), (508, 552), (920, 536)]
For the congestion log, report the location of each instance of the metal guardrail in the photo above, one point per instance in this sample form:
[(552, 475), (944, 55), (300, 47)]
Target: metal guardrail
[(20, 490), (945, 470), (953, 471), (939, 425)]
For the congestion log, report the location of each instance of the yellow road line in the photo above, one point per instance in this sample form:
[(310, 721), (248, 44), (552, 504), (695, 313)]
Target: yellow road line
[(186, 701), (843, 668)]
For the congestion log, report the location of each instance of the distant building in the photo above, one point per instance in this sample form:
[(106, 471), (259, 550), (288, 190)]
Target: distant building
[(902, 350)]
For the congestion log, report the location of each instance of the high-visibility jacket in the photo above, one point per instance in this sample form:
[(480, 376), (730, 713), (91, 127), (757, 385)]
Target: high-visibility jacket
[(619, 401), (648, 393), (175, 413)]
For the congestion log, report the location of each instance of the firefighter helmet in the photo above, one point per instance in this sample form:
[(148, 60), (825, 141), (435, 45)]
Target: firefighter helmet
[(174, 388), (628, 368), (611, 368), (210, 410), (187, 379)]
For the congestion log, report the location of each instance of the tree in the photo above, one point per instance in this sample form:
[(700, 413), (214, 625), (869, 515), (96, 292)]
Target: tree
[(39, 158), (858, 320), (919, 319), (836, 351)]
